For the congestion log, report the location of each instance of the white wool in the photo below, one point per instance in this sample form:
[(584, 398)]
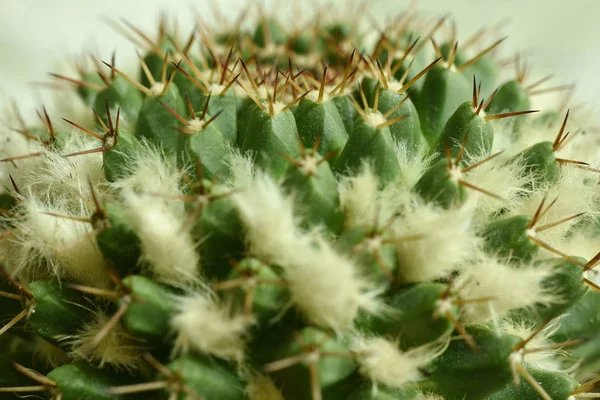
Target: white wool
[(166, 242), (384, 363), (413, 164), (65, 179), (61, 245), (326, 286), (447, 240), (508, 287), (151, 171), (204, 326), (242, 169), (502, 177), (261, 387), (358, 196), (428, 396), (575, 195), (118, 348), (583, 243), (546, 359), (267, 214)]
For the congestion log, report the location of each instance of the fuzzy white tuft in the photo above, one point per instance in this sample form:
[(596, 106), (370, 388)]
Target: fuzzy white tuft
[(271, 230), (382, 362), (447, 240), (118, 348), (502, 177), (428, 396), (261, 387), (413, 165), (206, 327), (327, 287), (545, 359), (65, 179), (151, 171), (508, 287), (242, 169), (166, 242), (62, 246), (358, 196), (576, 192)]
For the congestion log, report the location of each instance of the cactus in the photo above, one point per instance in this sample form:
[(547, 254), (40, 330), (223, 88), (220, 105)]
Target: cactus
[(273, 213)]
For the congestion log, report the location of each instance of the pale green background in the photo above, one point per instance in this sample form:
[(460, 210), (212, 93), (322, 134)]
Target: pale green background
[(35, 35)]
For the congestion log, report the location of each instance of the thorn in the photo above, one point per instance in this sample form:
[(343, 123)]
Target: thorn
[(482, 53), (478, 189), (390, 122), (77, 82), (559, 222), (138, 85), (84, 130), (508, 115), (418, 76), (489, 100), (559, 137), (14, 321), (174, 113), (478, 163)]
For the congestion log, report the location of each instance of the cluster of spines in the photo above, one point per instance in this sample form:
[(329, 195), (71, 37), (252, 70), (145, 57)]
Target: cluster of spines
[(352, 257)]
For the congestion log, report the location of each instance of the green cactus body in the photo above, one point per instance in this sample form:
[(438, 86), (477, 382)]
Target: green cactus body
[(279, 210)]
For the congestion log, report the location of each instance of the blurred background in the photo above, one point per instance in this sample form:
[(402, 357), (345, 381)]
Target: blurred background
[(37, 37)]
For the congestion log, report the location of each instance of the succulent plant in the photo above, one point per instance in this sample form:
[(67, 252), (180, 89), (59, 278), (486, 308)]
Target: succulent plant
[(271, 213)]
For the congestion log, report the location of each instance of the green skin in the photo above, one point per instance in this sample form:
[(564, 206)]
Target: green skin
[(368, 143), (148, 319), (539, 161), (119, 244), (406, 131), (321, 121), (485, 69), (464, 123), (435, 186), (115, 159), (508, 238), (88, 95), (557, 385), (209, 148), (443, 92), (316, 196), (208, 378), (81, 381), (158, 125), (412, 323), (355, 387), (463, 374), (58, 311), (583, 323), (119, 94), (511, 97), (268, 137), (219, 231), (346, 110), (296, 380), (226, 106)]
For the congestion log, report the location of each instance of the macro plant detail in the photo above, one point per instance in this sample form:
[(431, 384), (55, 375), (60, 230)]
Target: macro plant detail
[(266, 210)]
